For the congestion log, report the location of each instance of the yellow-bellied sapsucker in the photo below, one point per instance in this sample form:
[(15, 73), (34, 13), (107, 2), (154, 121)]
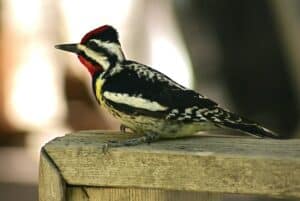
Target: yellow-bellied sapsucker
[(145, 100)]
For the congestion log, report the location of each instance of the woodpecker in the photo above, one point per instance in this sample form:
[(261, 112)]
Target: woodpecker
[(145, 100)]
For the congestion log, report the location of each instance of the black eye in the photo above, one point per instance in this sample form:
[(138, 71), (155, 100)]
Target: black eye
[(92, 44)]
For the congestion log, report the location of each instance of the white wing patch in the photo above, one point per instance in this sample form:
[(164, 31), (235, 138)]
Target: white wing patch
[(135, 101)]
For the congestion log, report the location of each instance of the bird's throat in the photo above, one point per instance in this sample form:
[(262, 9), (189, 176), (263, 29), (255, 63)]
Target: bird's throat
[(92, 68)]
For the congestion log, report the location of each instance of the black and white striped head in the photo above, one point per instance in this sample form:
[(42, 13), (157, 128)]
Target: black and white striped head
[(98, 50)]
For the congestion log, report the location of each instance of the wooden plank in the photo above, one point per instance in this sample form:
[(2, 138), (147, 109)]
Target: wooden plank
[(136, 194), (201, 163), (51, 185)]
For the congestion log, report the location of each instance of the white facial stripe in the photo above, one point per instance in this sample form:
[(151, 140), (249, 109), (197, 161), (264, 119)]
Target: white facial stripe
[(134, 101), (100, 59), (112, 47)]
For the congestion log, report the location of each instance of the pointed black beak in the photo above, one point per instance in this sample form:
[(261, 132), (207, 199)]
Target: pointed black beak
[(68, 47)]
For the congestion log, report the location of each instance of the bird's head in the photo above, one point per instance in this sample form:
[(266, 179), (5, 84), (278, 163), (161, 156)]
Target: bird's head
[(98, 50)]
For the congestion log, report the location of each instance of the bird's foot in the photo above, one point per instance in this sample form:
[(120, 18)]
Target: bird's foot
[(123, 128), (148, 138)]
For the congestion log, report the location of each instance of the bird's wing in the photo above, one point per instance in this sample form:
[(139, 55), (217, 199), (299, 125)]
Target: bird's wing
[(139, 89)]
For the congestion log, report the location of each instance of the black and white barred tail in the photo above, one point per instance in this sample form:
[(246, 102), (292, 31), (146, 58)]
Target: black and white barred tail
[(221, 117)]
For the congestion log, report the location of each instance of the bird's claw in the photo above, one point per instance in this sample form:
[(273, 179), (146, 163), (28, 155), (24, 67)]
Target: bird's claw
[(123, 128), (148, 138), (105, 148), (109, 144)]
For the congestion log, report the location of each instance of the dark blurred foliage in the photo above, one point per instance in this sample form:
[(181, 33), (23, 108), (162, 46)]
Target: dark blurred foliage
[(254, 66)]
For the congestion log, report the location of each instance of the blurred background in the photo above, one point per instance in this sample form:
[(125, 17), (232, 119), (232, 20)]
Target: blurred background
[(243, 54)]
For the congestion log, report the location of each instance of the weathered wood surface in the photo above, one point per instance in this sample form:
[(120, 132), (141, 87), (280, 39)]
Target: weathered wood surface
[(136, 194), (202, 163), (51, 184)]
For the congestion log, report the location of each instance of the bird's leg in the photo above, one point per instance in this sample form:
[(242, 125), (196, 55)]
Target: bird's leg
[(147, 138), (123, 128)]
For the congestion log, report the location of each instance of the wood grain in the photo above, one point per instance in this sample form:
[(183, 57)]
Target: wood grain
[(136, 194), (51, 185), (201, 163)]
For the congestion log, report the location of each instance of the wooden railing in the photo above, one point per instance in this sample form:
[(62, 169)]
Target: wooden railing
[(75, 168)]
